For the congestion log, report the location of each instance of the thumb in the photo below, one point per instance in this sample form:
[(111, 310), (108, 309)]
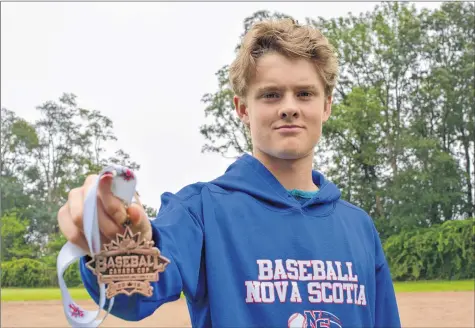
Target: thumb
[(107, 176)]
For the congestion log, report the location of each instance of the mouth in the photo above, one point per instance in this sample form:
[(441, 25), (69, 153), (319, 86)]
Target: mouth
[(289, 127)]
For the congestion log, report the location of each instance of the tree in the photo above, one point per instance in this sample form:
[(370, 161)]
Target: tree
[(151, 211), (40, 163), (44, 160), (447, 95), (353, 136), (58, 157), (388, 51), (226, 134), (15, 243), (18, 139)]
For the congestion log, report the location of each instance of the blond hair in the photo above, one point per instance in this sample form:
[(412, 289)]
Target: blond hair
[(288, 38)]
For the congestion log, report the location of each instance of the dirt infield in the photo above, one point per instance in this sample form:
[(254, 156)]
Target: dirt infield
[(454, 309)]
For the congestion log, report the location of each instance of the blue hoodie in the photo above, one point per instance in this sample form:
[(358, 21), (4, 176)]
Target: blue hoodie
[(246, 253)]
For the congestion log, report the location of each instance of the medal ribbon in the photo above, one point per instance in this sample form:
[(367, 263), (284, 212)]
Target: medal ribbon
[(123, 187)]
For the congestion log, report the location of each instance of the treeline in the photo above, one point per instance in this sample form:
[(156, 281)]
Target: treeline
[(442, 252), (40, 163), (400, 143)]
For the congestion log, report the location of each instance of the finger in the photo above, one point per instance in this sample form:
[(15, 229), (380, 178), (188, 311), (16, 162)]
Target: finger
[(136, 214), (136, 211), (108, 227), (139, 220), (112, 205), (69, 229)]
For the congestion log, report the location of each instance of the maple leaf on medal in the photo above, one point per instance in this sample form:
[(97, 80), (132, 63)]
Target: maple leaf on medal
[(127, 241)]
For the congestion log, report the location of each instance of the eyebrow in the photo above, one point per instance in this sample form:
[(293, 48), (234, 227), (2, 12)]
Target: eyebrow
[(309, 87)]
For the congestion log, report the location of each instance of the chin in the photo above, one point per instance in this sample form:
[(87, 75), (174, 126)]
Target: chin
[(289, 154)]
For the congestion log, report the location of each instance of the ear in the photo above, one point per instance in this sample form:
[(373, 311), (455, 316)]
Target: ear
[(241, 109), (327, 109)]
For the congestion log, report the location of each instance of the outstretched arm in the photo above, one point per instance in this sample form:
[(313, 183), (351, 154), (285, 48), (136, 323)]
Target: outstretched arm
[(178, 233)]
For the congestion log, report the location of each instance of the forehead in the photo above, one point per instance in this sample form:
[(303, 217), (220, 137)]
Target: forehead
[(276, 69)]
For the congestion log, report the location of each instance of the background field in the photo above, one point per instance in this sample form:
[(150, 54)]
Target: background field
[(421, 304)]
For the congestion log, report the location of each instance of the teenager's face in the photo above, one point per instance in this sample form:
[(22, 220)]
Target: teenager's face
[(285, 107)]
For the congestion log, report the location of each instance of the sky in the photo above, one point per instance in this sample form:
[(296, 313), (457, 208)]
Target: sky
[(144, 65)]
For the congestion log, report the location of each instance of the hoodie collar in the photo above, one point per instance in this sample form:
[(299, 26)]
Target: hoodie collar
[(249, 175)]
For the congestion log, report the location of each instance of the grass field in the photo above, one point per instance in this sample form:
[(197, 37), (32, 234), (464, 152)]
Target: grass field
[(41, 294), (435, 286), (46, 294)]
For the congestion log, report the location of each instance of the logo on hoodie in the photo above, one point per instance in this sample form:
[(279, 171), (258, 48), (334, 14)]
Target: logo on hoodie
[(314, 319), (297, 281)]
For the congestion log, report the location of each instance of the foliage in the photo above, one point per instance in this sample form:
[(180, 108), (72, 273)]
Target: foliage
[(41, 162), (409, 174), (151, 211), (18, 270), (72, 275), (44, 160), (27, 273), (445, 251), (14, 238)]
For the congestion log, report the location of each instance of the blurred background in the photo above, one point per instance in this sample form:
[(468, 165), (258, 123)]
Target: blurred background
[(145, 85)]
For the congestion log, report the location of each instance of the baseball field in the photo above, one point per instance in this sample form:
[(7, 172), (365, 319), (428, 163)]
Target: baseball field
[(421, 304)]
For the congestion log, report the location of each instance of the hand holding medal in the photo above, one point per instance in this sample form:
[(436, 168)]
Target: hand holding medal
[(100, 220)]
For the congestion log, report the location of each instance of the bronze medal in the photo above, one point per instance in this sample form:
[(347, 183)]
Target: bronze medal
[(128, 264)]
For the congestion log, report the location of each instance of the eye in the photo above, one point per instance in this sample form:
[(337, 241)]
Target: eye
[(305, 94), (270, 95)]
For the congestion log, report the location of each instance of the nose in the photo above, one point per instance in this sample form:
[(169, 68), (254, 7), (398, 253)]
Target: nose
[(289, 112)]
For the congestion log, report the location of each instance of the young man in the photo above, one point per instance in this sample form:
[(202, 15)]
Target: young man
[(270, 243)]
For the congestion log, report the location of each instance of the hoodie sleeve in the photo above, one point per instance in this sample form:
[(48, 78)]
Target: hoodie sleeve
[(386, 312), (178, 234)]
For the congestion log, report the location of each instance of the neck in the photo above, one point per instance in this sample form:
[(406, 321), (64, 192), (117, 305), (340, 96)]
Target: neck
[(291, 173)]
